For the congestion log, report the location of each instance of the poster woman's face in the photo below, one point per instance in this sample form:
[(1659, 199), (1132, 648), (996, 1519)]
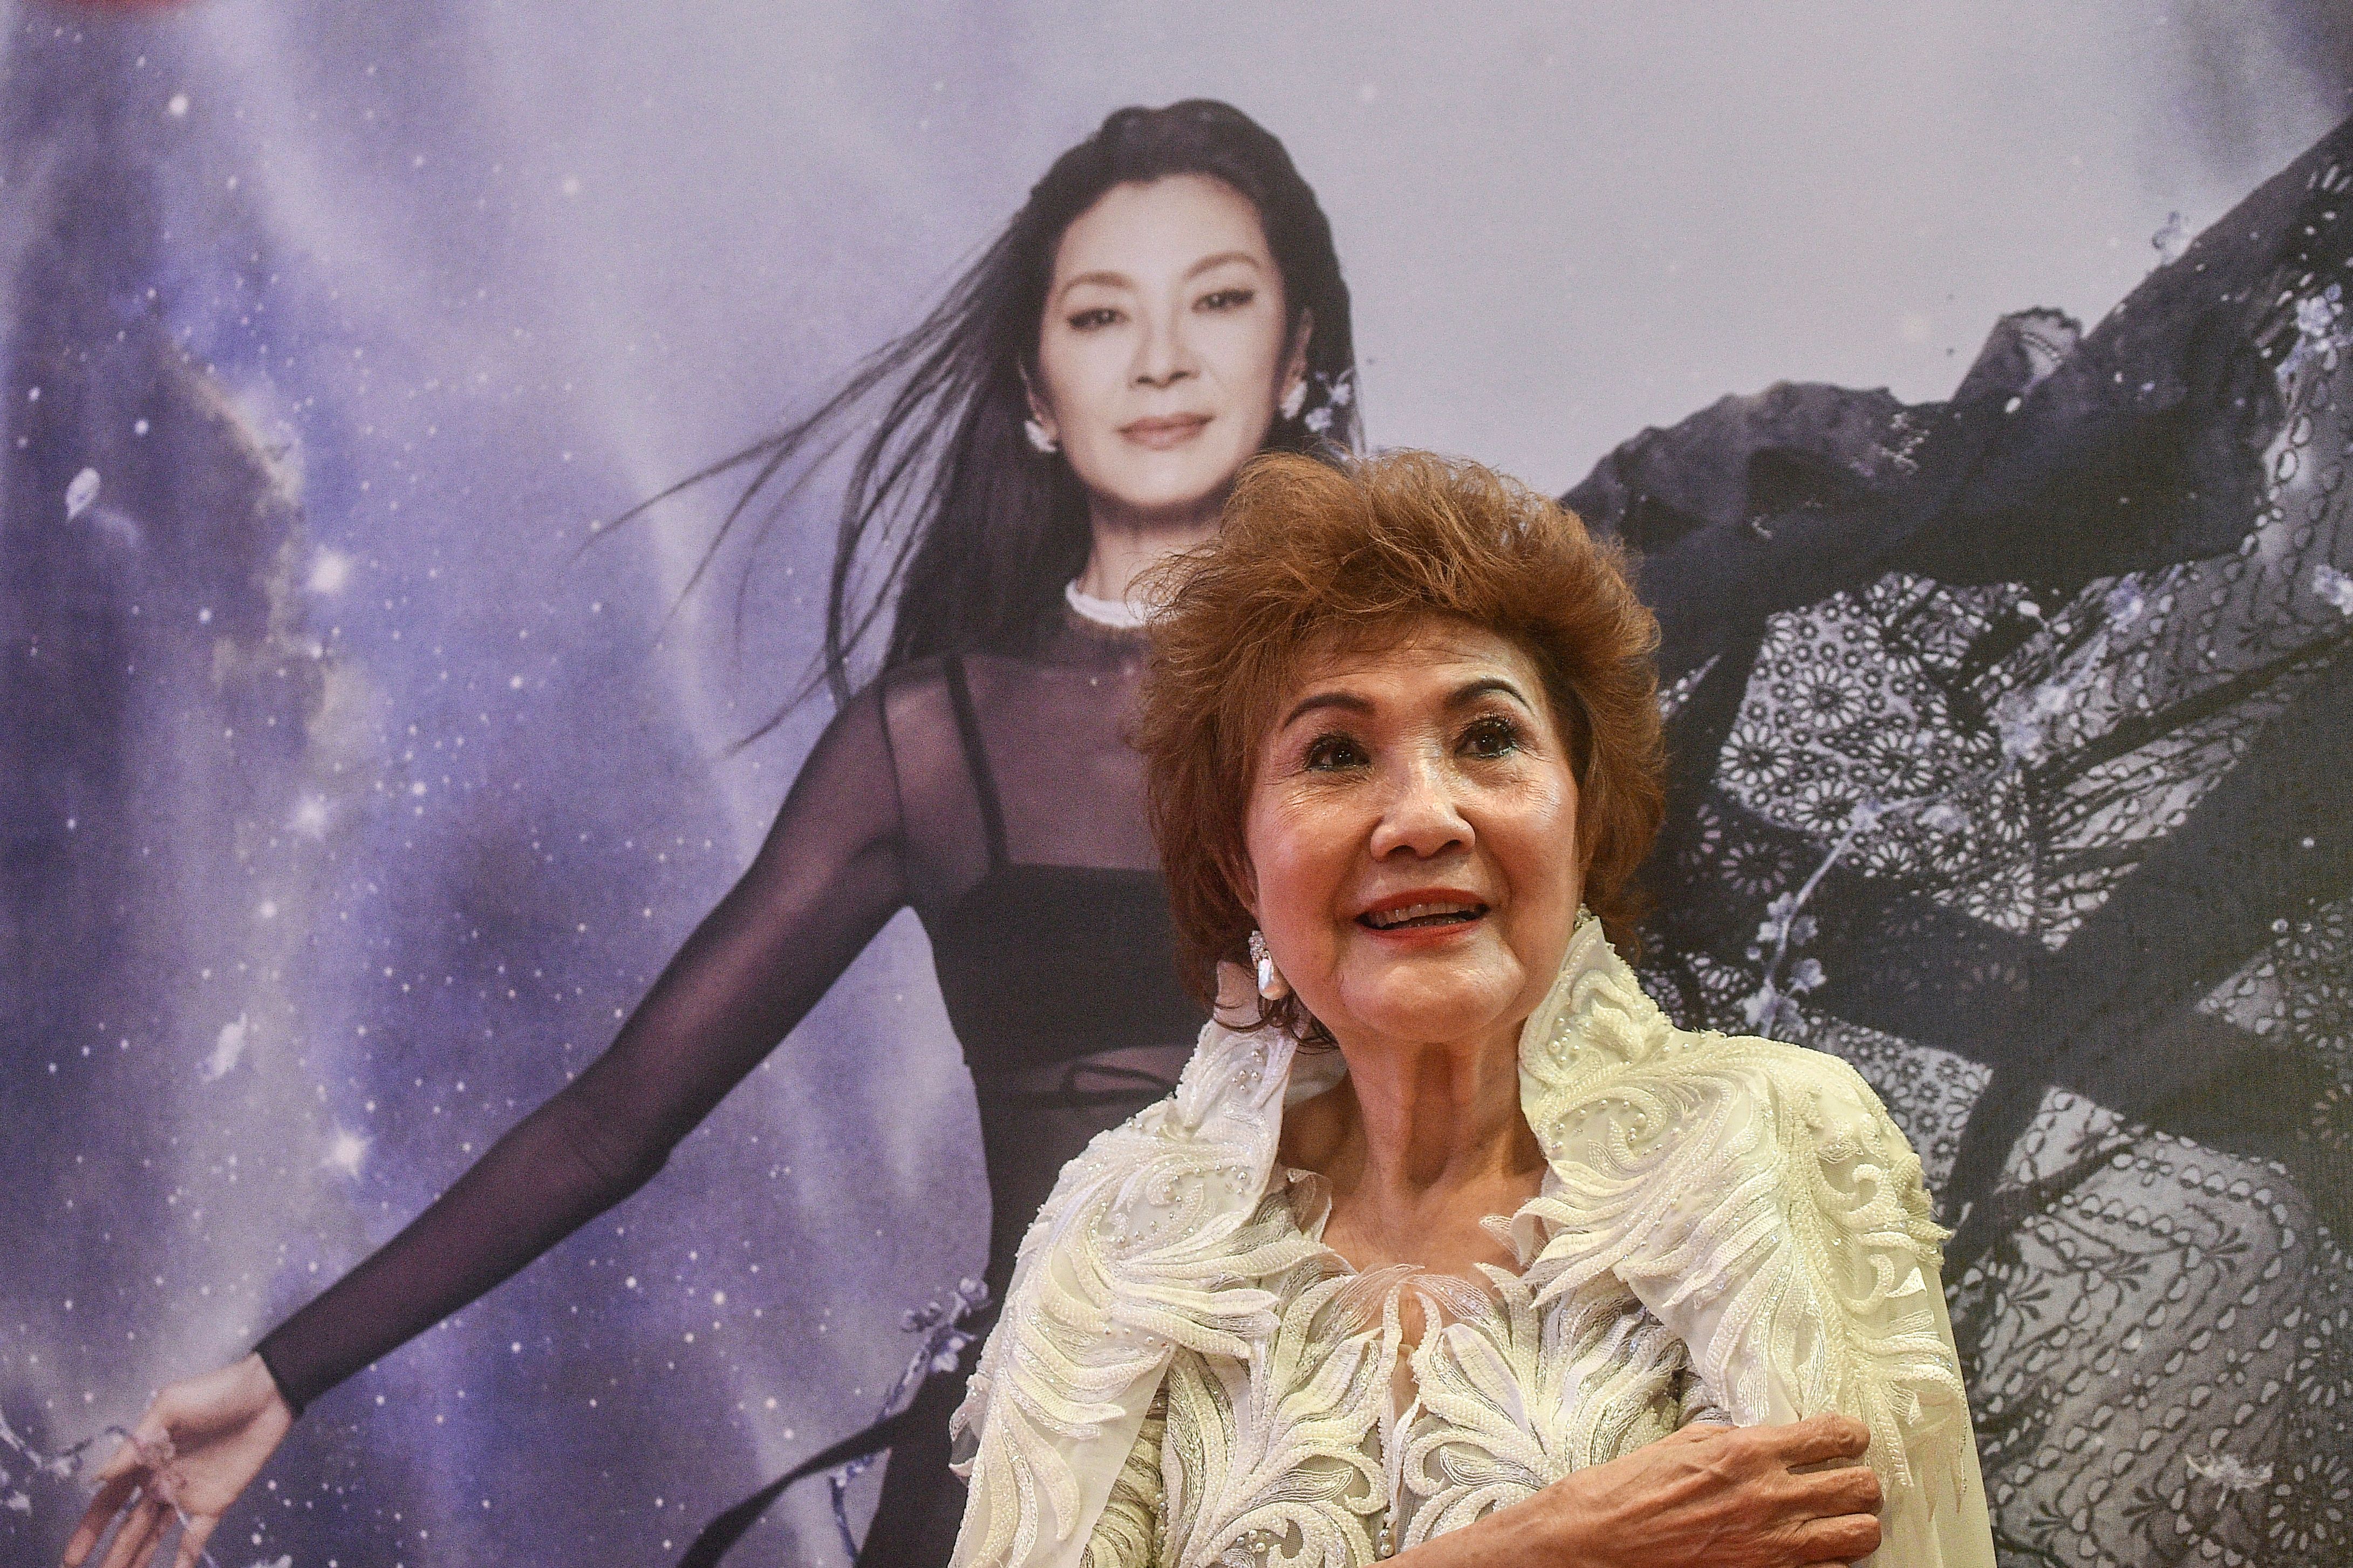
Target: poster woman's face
[(1161, 356)]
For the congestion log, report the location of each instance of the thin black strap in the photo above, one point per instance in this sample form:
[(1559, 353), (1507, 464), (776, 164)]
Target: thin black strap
[(725, 1530), (984, 782)]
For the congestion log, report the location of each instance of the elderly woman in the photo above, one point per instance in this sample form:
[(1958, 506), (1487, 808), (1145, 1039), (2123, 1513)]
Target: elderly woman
[(1451, 1246)]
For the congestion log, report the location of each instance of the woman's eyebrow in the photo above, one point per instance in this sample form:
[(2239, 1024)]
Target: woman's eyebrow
[(1347, 702), (1465, 695), (1223, 256), (1108, 279)]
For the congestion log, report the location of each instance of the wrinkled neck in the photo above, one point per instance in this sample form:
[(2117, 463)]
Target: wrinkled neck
[(1433, 1116)]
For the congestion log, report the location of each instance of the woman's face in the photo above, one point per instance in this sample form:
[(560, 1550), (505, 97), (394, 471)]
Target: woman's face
[(1412, 833), (1161, 357)]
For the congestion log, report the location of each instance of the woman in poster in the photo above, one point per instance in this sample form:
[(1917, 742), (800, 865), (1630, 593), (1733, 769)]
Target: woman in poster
[(1167, 305)]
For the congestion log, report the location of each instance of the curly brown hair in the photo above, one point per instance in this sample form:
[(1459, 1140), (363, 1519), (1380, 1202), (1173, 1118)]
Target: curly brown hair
[(1361, 550)]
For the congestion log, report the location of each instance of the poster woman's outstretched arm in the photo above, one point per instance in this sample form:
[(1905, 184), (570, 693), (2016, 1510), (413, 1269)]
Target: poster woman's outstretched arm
[(830, 875)]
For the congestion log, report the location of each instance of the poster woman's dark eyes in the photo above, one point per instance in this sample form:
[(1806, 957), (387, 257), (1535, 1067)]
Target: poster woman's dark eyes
[(391, 809)]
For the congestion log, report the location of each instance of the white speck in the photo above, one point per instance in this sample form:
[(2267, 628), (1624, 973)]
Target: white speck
[(2230, 1472), (228, 1049), (515, 683), (571, 186), (176, 106), (2125, 602), (139, 427), (2315, 315), (346, 1149), (269, 910), (330, 571), (1944, 818), (310, 817), (205, 616), (2333, 586), (81, 493)]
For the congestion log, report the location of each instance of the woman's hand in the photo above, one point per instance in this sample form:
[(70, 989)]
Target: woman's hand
[(197, 1447), (1706, 1497)]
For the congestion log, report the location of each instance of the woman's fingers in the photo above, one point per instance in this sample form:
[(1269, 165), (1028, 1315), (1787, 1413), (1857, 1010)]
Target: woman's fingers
[(1829, 1436), (122, 1461), (1850, 1489), (1849, 1538), (192, 1543), (140, 1528), (100, 1514)]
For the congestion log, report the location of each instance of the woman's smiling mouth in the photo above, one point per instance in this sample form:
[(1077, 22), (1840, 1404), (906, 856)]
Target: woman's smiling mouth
[(1165, 430), (1421, 911)]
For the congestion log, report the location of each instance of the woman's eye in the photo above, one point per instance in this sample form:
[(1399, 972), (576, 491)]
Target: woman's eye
[(1490, 738), (1226, 299), (1329, 752), (1088, 321)]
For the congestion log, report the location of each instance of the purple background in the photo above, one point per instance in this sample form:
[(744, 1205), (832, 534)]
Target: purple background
[(349, 799)]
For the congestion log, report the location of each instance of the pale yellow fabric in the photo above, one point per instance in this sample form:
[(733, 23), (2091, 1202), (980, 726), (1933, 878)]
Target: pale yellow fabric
[(1730, 1228)]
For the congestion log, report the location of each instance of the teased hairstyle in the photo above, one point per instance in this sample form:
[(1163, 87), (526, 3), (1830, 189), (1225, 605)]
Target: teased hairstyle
[(946, 503), (1361, 550)]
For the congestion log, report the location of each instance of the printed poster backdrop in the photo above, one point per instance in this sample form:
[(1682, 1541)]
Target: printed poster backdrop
[(355, 787)]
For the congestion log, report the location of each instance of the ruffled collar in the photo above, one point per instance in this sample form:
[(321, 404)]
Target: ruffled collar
[(1753, 1196), (1145, 1245)]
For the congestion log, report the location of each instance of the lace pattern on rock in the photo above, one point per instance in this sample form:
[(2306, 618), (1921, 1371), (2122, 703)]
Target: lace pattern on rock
[(2097, 827)]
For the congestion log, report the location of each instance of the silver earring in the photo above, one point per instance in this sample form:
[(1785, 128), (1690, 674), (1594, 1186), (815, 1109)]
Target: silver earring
[(1294, 400), (1271, 982), (1038, 438)]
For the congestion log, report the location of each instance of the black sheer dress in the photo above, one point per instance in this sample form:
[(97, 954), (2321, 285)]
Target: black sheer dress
[(999, 798)]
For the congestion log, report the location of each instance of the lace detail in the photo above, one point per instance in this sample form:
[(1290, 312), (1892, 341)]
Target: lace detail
[(1146, 1243), (1757, 1197), (1519, 1388), (1276, 1457), (1729, 1229)]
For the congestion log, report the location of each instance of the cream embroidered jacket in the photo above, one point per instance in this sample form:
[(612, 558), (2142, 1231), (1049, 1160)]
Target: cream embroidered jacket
[(1730, 1229)]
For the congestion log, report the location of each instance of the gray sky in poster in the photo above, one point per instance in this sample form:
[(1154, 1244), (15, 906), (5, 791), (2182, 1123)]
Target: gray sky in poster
[(532, 263)]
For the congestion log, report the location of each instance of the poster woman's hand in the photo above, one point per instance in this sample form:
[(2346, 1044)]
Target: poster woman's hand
[(197, 1447)]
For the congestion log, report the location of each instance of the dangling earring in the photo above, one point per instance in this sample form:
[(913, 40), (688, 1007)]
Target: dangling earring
[(1044, 443), (1271, 982), (1295, 399)]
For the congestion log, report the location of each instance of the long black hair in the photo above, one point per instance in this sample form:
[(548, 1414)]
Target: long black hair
[(946, 500)]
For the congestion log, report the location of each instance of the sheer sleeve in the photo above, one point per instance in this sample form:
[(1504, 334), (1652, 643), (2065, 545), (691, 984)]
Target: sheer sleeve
[(1127, 1535), (830, 873)]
